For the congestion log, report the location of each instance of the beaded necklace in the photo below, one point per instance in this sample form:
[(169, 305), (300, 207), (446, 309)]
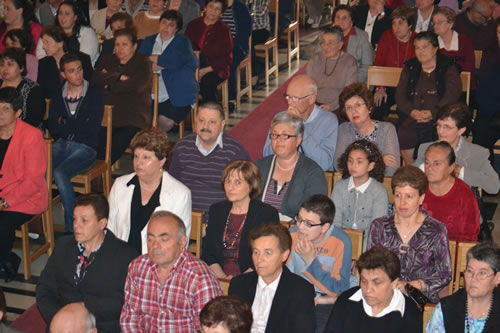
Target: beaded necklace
[(467, 324)]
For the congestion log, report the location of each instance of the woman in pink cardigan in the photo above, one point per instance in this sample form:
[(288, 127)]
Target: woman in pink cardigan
[(23, 162)]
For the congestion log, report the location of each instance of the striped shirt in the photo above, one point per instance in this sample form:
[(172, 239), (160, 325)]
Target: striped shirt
[(273, 196), (174, 306), (228, 18), (202, 174)]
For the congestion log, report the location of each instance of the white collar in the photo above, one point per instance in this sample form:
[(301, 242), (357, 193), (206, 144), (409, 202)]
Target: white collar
[(207, 152), (314, 114), (459, 145), (454, 42), (153, 17), (397, 303), (361, 188), (161, 42), (421, 23), (261, 284)]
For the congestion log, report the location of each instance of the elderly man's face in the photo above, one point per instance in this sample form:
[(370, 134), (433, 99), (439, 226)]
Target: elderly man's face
[(300, 98), (164, 243), (208, 125), (87, 227)]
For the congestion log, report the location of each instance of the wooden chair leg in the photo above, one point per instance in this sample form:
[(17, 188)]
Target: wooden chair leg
[(181, 129), (26, 251), (248, 73), (238, 86), (225, 100), (267, 66)]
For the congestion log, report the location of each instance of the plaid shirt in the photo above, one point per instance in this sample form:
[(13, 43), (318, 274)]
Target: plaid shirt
[(259, 10), (172, 307)]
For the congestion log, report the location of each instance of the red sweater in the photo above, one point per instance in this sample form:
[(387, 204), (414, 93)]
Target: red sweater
[(217, 44), (457, 209), (22, 177), (388, 47), (465, 54)]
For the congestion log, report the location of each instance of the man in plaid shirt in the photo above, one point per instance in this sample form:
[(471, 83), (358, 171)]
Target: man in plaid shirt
[(166, 289)]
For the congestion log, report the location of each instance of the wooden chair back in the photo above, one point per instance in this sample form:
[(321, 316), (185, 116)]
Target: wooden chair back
[(196, 233), (329, 181), (380, 76), (224, 283), (356, 237), (155, 92), (478, 55), (453, 256), (462, 250), (465, 77)]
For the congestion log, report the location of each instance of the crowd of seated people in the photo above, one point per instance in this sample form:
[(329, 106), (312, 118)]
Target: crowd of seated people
[(296, 276)]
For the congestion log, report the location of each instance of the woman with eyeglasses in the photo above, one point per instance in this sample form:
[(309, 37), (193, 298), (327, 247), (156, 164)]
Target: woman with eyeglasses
[(332, 69), (288, 176), (357, 104), (419, 241), (475, 308), (225, 247)]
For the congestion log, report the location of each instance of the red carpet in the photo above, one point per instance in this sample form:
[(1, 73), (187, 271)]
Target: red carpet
[(30, 321), (252, 130)]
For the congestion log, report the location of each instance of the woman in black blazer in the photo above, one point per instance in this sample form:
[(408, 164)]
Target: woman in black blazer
[(225, 247), (380, 19)]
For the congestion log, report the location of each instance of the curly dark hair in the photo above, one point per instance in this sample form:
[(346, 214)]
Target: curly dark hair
[(28, 18), (356, 89), (152, 140), (372, 154), (17, 55)]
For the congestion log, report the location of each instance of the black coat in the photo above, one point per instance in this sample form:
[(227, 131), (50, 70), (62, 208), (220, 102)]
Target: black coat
[(381, 23), (292, 310), (49, 77), (101, 289), (258, 213)]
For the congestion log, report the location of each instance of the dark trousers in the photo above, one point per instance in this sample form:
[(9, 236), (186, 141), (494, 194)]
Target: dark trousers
[(176, 113), (120, 141), (382, 111), (258, 37), (485, 135), (9, 222), (208, 87)]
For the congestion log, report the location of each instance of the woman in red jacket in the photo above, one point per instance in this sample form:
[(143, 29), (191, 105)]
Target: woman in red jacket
[(212, 37), (23, 162)]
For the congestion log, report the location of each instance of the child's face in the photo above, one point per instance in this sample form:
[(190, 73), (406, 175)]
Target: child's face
[(358, 164)]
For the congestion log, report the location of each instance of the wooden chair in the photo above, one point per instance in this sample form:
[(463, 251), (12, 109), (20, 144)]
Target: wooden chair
[(196, 233), (329, 181), (465, 77), (477, 58), (380, 76), (271, 45), (155, 93), (388, 188), (224, 283), (428, 310), (245, 65), (225, 99), (100, 168), (356, 237), (462, 250), (292, 33), (47, 224), (453, 255)]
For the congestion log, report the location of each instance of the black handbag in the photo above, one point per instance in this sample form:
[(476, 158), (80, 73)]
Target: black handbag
[(417, 296)]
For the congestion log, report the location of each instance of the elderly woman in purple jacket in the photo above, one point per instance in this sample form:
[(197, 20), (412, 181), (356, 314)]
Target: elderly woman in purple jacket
[(172, 56)]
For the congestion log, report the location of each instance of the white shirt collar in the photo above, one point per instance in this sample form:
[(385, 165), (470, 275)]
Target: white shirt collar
[(152, 17), (361, 188), (422, 25), (207, 152), (262, 303), (397, 303), (454, 42), (313, 114)]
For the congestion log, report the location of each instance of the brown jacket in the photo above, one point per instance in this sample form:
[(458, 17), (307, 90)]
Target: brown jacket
[(132, 97)]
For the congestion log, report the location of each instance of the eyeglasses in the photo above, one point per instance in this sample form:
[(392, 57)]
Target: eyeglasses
[(445, 127), (295, 99), (328, 44), (354, 107), (480, 275), (283, 137), (307, 223)]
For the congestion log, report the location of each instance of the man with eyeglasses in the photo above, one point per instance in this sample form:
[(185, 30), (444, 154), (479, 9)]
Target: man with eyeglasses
[(320, 127), (321, 254), (476, 23)]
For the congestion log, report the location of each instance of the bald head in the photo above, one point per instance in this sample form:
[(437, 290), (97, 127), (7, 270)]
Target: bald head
[(481, 11), (301, 96), (73, 318)]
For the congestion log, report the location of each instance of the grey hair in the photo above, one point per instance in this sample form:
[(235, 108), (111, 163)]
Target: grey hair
[(295, 122), (335, 31), (487, 252), (214, 106), (164, 213), (90, 321)]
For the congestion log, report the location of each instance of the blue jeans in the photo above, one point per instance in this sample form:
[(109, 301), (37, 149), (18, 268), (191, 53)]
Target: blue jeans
[(69, 159)]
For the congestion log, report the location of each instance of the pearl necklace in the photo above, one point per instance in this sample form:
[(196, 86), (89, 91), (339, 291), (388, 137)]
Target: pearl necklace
[(482, 314)]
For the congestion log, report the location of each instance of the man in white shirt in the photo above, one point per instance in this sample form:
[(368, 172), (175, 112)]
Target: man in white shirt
[(281, 301)]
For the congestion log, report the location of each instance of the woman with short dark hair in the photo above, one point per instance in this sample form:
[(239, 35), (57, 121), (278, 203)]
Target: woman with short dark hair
[(475, 308), (427, 82), (226, 314), (18, 38), (377, 305), (225, 247), (419, 241)]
